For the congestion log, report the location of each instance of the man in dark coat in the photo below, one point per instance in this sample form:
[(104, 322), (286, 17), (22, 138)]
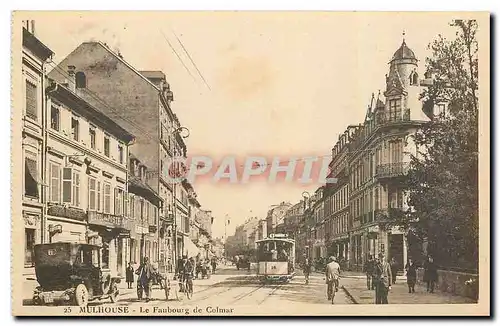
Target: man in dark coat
[(383, 279), (145, 272), (129, 275), (394, 269), (430, 274), (411, 275), (368, 269)]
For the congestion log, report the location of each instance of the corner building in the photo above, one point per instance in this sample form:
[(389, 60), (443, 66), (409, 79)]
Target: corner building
[(379, 156)]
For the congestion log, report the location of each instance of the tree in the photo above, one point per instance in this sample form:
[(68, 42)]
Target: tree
[(443, 176)]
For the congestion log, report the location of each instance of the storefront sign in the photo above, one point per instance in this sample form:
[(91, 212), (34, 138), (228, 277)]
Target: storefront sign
[(108, 220)]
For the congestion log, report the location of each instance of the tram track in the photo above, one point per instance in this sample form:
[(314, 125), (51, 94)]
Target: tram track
[(274, 289), (246, 294)]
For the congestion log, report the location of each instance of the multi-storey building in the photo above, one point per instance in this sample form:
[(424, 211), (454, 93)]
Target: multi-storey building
[(141, 103), (291, 219), (336, 199), (379, 156), (35, 55), (144, 205), (318, 225), (275, 217), (86, 174)]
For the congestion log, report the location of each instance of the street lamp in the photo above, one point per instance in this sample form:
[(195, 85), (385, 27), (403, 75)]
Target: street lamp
[(177, 131)]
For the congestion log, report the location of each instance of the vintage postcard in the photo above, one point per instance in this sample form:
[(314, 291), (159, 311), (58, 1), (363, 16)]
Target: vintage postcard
[(250, 163)]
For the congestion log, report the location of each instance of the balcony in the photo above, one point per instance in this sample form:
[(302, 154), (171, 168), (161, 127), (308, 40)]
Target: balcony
[(391, 170)]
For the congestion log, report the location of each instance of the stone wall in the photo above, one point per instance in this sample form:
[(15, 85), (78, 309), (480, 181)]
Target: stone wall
[(458, 283)]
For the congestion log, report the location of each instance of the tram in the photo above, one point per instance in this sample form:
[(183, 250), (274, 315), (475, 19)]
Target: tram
[(276, 258)]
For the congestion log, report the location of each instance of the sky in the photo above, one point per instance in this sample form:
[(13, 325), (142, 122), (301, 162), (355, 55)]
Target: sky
[(279, 84)]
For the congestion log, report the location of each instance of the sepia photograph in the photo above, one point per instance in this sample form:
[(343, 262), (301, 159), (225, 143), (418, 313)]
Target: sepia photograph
[(240, 163)]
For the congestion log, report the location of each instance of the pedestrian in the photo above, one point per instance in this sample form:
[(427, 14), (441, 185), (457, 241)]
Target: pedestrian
[(307, 269), (430, 274), (129, 275), (214, 265), (332, 273), (145, 273), (411, 275), (368, 269), (383, 276), (394, 269)]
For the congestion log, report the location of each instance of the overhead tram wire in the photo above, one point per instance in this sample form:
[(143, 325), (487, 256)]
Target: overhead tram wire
[(178, 56), (191, 59), (146, 133)]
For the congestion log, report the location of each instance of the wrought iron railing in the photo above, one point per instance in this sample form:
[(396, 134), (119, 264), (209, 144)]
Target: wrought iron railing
[(389, 170)]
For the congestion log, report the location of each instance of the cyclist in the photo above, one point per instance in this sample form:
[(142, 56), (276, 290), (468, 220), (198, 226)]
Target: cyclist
[(189, 271), (332, 277)]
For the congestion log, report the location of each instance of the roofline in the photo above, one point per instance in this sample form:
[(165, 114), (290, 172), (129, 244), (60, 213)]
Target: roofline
[(46, 51), (119, 132), (124, 62)]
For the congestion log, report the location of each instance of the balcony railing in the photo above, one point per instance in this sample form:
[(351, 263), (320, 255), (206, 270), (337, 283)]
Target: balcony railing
[(391, 170)]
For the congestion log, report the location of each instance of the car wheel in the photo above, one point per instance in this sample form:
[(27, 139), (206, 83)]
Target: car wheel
[(81, 295), (113, 296)]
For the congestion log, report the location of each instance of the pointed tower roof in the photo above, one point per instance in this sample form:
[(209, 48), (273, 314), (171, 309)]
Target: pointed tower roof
[(404, 52)]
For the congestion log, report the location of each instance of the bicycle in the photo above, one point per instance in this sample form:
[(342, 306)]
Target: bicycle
[(333, 287), (188, 286)]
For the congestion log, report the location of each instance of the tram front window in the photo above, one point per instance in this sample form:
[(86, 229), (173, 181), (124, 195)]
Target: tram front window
[(274, 251)]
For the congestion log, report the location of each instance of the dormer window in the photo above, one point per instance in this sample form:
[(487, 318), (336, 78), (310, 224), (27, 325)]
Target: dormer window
[(80, 80)]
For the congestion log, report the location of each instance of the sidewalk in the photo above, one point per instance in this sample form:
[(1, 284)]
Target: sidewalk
[(355, 286)]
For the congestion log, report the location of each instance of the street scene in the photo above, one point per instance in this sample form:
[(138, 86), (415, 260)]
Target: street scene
[(166, 171)]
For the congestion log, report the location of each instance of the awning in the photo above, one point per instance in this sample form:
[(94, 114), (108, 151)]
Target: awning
[(190, 249)]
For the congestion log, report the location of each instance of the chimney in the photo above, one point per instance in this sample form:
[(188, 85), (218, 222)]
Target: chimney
[(33, 27), (71, 78)]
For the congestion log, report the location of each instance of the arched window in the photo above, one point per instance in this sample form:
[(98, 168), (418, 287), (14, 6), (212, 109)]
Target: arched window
[(80, 80), (414, 78)]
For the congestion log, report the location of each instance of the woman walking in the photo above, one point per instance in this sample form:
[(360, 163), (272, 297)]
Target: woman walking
[(129, 275), (411, 275)]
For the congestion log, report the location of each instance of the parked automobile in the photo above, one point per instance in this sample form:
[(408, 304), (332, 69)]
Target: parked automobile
[(71, 273)]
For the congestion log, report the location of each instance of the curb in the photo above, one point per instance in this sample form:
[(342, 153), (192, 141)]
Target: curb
[(354, 301)]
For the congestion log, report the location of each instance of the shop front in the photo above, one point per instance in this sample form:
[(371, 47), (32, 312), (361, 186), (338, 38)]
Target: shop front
[(111, 232)]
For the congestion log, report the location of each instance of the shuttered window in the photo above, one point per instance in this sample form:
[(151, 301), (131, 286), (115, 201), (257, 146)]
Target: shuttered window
[(30, 177), (31, 101)]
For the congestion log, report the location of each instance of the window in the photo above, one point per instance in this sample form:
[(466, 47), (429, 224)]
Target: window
[(92, 194), (107, 198), (31, 177), (75, 129), (119, 201), (98, 196), (377, 205), (106, 146), (71, 187), (397, 151), (29, 238), (395, 110), (92, 137), (441, 110), (31, 101), (54, 183), (80, 80), (120, 154), (54, 118)]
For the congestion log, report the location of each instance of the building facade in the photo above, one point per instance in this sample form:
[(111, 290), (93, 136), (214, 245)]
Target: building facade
[(379, 159), (337, 217), (144, 205), (35, 55), (141, 103), (86, 174), (276, 216)]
